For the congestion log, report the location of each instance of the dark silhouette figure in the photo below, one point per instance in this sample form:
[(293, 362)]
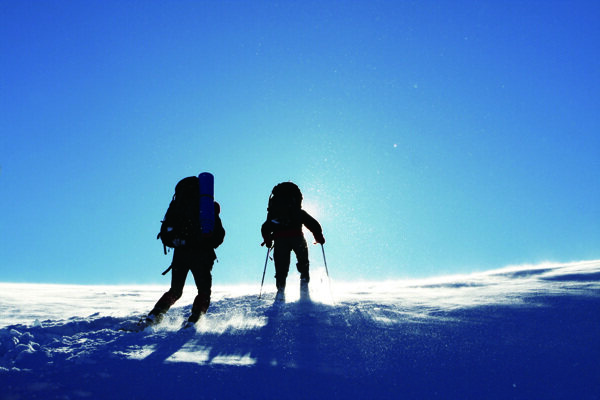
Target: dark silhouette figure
[(283, 230), (193, 250)]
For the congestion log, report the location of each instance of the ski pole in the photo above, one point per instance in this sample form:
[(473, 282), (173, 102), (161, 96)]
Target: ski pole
[(264, 270), (327, 271), (324, 260)]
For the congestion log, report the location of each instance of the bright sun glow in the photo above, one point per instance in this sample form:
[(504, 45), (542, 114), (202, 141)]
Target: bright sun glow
[(313, 208)]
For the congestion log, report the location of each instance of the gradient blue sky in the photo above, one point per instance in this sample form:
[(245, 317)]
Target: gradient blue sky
[(428, 137)]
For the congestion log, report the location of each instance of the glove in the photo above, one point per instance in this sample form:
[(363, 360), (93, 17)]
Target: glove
[(268, 243), (319, 238)]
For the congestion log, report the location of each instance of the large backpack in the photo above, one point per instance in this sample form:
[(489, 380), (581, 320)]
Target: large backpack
[(285, 204), (181, 224)]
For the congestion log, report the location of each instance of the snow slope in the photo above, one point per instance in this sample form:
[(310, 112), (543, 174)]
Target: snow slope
[(527, 332)]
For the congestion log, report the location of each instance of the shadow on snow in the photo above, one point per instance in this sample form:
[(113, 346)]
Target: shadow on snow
[(544, 346)]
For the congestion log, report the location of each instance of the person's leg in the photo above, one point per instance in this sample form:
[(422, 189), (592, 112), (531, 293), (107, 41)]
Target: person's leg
[(203, 278), (178, 275), (281, 256), (301, 251)]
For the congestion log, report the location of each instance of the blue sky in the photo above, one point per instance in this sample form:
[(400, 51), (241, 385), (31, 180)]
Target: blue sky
[(428, 137)]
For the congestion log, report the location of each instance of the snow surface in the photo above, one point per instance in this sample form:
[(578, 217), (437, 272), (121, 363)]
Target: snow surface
[(526, 332)]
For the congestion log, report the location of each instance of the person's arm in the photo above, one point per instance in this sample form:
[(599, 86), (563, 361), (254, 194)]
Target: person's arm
[(313, 226), (266, 232)]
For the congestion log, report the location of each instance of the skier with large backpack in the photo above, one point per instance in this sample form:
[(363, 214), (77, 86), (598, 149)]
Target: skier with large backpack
[(193, 228), (283, 231)]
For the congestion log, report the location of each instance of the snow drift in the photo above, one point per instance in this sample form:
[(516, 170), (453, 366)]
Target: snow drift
[(516, 333)]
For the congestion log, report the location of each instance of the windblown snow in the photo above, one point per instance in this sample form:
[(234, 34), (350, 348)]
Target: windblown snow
[(520, 332)]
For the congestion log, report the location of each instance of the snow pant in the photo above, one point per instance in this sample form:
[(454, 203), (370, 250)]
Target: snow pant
[(281, 255), (200, 262)]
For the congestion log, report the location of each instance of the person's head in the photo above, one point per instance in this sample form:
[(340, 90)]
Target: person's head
[(187, 188)]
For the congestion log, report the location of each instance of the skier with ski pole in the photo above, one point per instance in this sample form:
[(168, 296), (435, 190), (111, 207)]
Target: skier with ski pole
[(283, 231)]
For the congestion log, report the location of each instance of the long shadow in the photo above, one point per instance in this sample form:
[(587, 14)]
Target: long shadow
[(296, 354)]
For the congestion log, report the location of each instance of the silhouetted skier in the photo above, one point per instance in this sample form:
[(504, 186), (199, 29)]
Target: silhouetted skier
[(283, 230), (193, 250)]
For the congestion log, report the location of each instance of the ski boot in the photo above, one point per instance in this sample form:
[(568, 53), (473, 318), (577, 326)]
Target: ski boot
[(143, 323), (280, 296), (192, 320)]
